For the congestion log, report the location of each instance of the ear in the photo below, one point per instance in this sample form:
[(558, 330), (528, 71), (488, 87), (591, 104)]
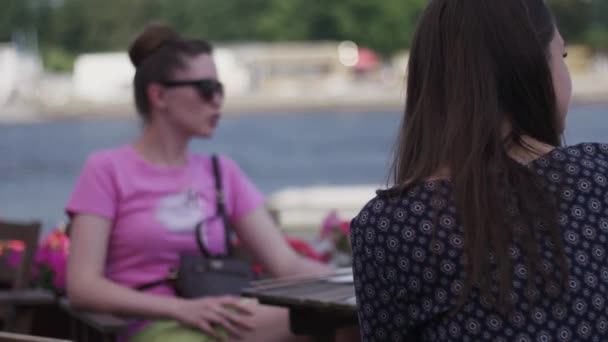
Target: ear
[(156, 96)]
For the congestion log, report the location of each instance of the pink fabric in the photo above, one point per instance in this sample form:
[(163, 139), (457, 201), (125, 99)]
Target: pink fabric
[(154, 210)]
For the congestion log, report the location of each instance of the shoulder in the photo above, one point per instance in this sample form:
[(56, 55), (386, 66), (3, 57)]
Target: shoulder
[(381, 207), (229, 169), (588, 155), (598, 150), (107, 157), (224, 161), (227, 163), (404, 206), (374, 206), (362, 226), (585, 154)]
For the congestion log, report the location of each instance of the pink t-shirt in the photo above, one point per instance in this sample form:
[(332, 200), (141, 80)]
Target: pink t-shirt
[(154, 210)]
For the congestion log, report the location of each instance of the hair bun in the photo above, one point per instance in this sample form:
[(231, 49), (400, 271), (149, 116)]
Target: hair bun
[(148, 41)]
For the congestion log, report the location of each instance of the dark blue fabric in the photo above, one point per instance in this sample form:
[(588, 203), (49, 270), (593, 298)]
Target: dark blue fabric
[(409, 274)]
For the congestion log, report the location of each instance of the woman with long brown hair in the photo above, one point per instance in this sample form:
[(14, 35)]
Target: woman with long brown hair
[(492, 230)]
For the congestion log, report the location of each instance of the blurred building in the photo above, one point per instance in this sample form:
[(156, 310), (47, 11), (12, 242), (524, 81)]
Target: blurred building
[(103, 77), (19, 73), (281, 69), (285, 69)]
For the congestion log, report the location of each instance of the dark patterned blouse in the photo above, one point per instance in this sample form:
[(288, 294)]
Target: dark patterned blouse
[(408, 282)]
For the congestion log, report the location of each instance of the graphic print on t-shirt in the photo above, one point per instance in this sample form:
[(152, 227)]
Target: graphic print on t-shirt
[(180, 211)]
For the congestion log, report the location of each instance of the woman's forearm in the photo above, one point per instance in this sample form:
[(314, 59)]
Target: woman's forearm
[(304, 266), (104, 295)]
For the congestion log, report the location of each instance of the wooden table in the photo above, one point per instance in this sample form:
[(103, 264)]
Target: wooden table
[(317, 305)]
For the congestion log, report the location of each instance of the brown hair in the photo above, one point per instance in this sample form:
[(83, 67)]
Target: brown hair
[(474, 65), (156, 53)]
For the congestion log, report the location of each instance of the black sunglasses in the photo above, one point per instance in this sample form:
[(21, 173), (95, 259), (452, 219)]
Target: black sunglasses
[(206, 87)]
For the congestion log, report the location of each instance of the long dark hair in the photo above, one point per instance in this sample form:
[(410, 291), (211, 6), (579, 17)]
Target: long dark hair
[(156, 53), (474, 65)]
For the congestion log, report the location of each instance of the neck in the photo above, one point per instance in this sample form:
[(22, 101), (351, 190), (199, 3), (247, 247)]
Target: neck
[(529, 150), (162, 145)]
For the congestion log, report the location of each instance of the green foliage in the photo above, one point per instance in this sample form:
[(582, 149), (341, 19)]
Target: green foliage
[(386, 25), (13, 17), (57, 59), (582, 21), (69, 27), (597, 37), (572, 17)]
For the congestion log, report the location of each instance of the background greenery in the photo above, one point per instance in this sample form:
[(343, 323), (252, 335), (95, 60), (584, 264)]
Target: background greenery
[(63, 28)]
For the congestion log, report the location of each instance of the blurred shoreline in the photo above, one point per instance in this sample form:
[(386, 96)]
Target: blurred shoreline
[(269, 78), (592, 93)]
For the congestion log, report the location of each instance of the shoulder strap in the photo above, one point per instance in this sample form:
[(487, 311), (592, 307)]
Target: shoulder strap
[(221, 207), (221, 210)]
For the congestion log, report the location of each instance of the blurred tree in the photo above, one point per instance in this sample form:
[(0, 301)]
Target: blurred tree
[(14, 16), (597, 33), (68, 27), (80, 25), (385, 26), (582, 21), (215, 20), (295, 20), (573, 17)]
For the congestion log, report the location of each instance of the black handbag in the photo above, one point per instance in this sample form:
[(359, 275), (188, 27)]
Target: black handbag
[(207, 275)]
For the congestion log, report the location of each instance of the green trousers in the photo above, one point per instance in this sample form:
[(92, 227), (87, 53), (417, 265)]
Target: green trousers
[(161, 331)]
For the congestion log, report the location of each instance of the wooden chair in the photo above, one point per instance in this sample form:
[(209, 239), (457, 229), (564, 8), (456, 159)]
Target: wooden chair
[(86, 326), (18, 302), (17, 277)]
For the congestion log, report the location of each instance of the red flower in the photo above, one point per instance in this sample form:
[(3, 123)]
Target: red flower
[(304, 248)]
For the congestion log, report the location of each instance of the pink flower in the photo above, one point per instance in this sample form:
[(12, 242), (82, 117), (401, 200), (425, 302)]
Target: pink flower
[(13, 258), (333, 227), (330, 222), (60, 275), (345, 227), (12, 250), (304, 248), (333, 243), (16, 245), (53, 254)]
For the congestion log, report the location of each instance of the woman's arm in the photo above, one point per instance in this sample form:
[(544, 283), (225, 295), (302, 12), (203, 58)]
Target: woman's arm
[(87, 287), (261, 236)]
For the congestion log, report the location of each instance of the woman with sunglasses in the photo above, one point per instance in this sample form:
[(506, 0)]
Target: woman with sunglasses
[(492, 230), (134, 208)]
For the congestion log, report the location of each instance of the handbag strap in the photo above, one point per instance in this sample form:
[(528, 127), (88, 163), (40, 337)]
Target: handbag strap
[(221, 211)]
